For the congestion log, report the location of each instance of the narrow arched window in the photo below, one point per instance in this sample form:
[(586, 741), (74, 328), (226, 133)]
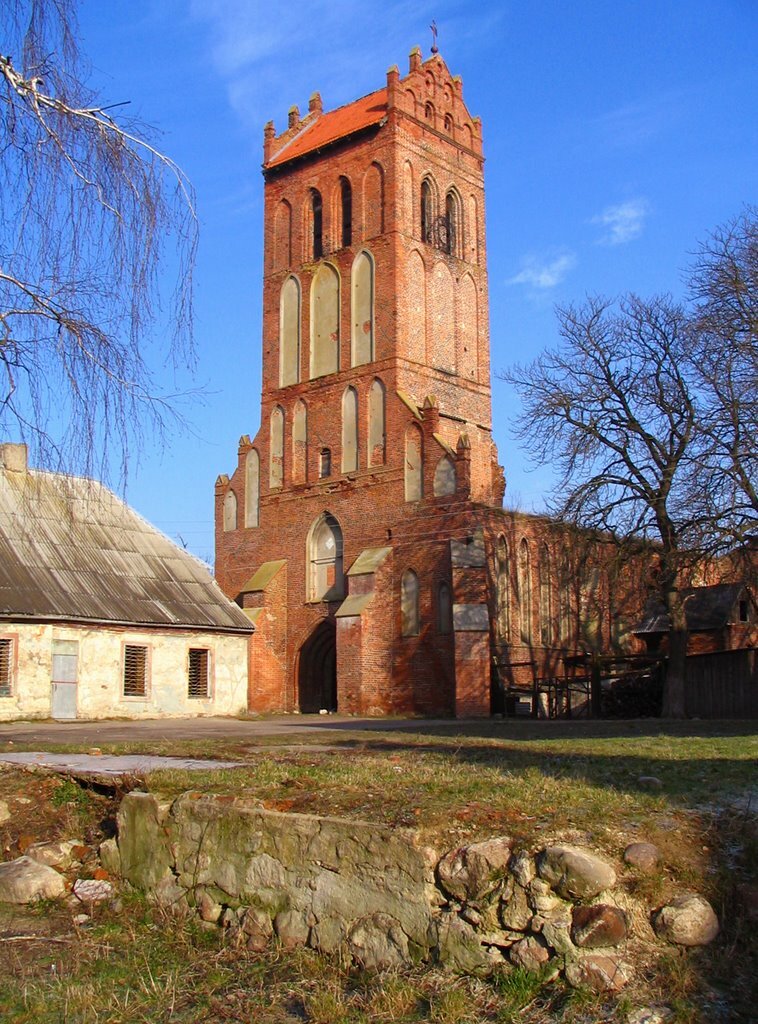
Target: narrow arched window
[(444, 609), (427, 211), (317, 218), (362, 309), (444, 477), (326, 580), (349, 430), (565, 600), (289, 333), (409, 604), (453, 234), (276, 449), (376, 427), (300, 442), (346, 201), (230, 511), (252, 487), (324, 463), (429, 112), (546, 624), (448, 124), (325, 321), (503, 590), (525, 592), (414, 490)]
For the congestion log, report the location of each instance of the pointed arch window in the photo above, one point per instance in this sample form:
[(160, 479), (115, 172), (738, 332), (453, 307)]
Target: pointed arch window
[(444, 477), (346, 203), (230, 512), (414, 490), (289, 333), (252, 487), (325, 321), (349, 430), (546, 623), (427, 210), (409, 604), (444, 609), (299, 442), (565, 600), (317, 221), (324, 463), (276, 467), (503, 590), (525, 592), (453, 234), (362, 309), (376, 427), (326, 579)]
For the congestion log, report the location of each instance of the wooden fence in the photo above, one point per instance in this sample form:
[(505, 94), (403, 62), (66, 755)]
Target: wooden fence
[(723, 684)]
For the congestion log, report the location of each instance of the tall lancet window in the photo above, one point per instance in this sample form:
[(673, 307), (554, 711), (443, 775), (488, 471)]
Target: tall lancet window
[(346, 198), (317, 215)]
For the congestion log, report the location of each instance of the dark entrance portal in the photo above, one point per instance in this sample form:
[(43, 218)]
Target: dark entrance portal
[(317, 670)]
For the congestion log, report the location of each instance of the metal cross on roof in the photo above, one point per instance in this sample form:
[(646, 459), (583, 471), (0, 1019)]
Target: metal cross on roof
[(433, 27)]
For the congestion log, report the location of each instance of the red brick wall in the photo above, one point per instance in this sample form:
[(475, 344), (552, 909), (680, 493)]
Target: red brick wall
[(431, 344)]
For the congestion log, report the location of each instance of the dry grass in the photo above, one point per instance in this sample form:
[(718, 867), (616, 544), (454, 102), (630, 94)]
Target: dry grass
[(531, 781)]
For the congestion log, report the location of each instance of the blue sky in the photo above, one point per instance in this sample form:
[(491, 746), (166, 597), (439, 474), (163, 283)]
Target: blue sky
[(617, 134)]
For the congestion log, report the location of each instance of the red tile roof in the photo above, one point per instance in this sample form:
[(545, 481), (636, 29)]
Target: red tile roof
[(336, 124)]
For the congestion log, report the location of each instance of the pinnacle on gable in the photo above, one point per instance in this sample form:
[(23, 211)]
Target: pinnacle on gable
[(414, 59), (315, 104), (293, 116)]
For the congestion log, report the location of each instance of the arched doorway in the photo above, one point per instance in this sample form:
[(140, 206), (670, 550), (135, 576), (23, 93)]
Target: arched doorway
[(317, 670)]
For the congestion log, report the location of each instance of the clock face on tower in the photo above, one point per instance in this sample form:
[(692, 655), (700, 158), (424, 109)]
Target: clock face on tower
[(442, 234)]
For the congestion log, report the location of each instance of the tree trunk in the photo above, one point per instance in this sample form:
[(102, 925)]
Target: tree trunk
[(676, 670)]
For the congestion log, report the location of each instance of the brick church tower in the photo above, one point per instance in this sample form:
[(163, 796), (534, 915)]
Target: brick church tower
[(351, 530)]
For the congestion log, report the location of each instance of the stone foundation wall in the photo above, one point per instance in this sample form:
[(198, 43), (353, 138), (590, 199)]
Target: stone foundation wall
[(389, 900)]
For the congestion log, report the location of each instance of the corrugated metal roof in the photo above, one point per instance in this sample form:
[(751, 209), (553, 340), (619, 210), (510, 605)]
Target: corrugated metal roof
[(71, 550)]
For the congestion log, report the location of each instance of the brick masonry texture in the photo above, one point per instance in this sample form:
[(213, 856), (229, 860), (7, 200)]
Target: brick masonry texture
[(431, 354)]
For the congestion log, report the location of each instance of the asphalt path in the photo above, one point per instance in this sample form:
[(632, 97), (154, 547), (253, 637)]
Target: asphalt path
[(93, 733)]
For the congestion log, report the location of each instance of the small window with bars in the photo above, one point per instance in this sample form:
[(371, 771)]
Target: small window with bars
[(198, 677), (6, 666), (135, 670)]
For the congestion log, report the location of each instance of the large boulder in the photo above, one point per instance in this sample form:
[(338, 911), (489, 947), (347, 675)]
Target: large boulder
[(688, 920), (642, 856), (60, 853), (599, 925), (600, 973), (459, 946), (575, 873), (144, 852), (472, 872), (529, 953), (24, 880), (378, 942)]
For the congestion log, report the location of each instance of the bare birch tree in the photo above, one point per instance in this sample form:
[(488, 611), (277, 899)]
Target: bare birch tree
[(88, 206)]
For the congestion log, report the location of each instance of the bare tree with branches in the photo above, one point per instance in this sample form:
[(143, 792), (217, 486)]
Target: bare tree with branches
[(723, 364), (613, 412), (87, 207), (649, 410)]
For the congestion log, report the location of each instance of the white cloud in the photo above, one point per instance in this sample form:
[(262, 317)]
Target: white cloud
[(271, 57), (622, 222), (544, 273)]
